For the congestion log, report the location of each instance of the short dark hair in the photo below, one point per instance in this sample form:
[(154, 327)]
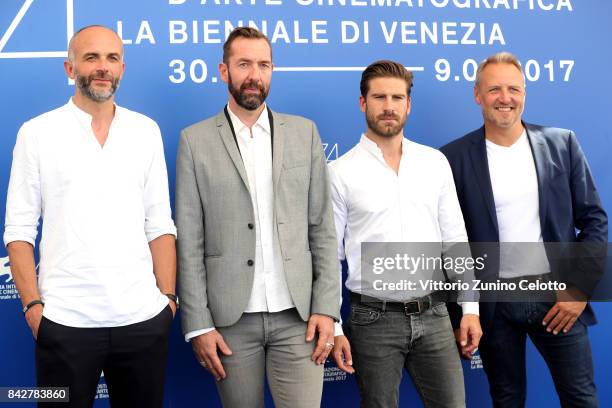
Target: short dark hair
[(243, 32), (384, 69)]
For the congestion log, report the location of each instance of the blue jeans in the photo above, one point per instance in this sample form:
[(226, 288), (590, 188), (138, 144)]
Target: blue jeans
[(385, 342), (568, 356)]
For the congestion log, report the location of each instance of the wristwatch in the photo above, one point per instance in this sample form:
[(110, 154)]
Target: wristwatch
[(173, 298)]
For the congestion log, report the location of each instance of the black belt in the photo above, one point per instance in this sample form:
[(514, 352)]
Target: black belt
[(412, 307)]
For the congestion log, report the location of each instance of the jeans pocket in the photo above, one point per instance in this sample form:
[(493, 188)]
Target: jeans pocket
[(363, 316), (440, 309)]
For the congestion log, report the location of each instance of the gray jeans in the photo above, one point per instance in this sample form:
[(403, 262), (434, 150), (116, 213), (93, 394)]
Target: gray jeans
[(272, 345), (383, 343)]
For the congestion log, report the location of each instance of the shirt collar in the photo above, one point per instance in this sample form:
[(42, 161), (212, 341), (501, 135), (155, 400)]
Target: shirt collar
[(263, 121), (373, 148), (522, 139), (85, 118)]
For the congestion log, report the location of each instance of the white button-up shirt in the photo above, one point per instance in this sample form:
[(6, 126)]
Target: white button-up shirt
[(100, 207), (270, 292), (374, 204)]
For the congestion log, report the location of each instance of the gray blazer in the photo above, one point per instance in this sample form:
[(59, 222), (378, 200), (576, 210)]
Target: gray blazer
[(214, 210)]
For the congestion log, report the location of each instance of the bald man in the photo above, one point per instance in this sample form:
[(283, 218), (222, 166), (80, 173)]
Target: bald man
[(95, 174)]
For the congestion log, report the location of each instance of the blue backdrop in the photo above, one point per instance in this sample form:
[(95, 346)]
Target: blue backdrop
[(172, 51)]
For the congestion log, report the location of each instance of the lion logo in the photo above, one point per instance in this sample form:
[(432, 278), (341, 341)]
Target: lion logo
[(5, 269)]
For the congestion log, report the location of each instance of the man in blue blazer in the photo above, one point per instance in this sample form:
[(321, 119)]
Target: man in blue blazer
[(518, 182)]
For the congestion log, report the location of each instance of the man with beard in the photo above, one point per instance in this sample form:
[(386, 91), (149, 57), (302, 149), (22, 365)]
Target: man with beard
[(523, 183), (96, 174), (257, 275), (390, 189)]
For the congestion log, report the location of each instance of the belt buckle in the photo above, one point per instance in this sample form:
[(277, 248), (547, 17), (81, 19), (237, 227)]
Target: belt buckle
[(410, 313)]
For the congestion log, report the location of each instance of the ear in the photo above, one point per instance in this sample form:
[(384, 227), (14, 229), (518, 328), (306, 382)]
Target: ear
[(362, 103), (223, 71), (69, 68), (477, 95), (409, 102)]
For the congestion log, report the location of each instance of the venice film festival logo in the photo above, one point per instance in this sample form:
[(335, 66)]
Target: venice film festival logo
[(332, 373), (7, 285), (5, 269)]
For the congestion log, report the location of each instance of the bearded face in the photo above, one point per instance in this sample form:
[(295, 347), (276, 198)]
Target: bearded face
[(250, 94), (385, 124), (99, 86)]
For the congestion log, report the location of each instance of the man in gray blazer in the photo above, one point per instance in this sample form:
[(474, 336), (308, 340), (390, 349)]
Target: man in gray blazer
[(256, 246)]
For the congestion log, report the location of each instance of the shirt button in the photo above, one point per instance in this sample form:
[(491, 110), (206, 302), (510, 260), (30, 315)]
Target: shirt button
[(250, 225), (250, 262)]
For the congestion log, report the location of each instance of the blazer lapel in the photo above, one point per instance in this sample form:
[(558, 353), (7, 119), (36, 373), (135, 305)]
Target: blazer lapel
[(541, 157), (277, 148), (232, 149), (478, 156)]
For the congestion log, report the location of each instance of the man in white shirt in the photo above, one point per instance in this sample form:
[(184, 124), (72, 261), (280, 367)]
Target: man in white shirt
[(96, 174), (524, 185), (388, 189), (256, 246)]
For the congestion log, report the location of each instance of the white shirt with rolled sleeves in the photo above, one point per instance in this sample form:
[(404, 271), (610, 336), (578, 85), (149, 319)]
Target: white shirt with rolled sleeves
[(100, 207), (374, 204)]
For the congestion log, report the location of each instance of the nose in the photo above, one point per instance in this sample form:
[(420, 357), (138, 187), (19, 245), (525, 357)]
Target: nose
[(101, 70), (388, 112), (102, 65), (504, 96), (388, 105), (255, 73)]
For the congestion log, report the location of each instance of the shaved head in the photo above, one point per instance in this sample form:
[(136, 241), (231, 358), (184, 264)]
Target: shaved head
[(74, 43)]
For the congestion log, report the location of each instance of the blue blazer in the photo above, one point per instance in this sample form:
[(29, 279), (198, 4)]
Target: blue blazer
[(568, 198)]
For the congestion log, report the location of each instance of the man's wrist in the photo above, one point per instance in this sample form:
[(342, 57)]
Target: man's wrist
[(173, 298), (32, 304), (325, 315), (195, 333)]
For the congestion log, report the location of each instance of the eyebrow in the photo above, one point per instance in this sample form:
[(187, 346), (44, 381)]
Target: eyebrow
[(97, 54), (505, 85), (385, 94), (251, 60)]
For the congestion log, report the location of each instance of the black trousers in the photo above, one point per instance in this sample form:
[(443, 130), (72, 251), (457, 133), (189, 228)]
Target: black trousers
[(133, 358)]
